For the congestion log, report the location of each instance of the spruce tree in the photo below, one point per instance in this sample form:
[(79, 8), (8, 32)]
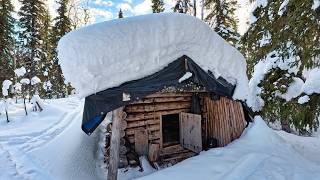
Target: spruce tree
[(6, 40), (286, 34), (157, 6), (62, 26), (221, 17), (47, 63), (120, 14), (183, 6), (31, 22)]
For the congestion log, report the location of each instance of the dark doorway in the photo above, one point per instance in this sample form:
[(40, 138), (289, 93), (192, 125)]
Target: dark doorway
[(170, 129)]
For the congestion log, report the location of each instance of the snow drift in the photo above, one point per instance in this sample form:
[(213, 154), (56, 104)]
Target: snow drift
[(260, 153), (108, 54)]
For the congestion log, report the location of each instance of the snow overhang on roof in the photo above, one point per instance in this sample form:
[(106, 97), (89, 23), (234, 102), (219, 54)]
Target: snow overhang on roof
[(107, 54)]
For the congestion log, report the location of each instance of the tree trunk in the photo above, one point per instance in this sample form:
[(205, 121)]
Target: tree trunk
[(25, 107)]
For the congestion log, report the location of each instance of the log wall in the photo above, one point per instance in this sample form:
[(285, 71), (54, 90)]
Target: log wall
[(223, 119), (146, 113)]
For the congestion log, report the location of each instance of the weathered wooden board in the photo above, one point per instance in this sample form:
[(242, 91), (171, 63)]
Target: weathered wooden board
[(115, 144), (141, 141), (224, 119), (154, 150), (190, 132)]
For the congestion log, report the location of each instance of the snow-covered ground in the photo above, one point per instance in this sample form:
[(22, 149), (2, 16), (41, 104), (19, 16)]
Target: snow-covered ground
[(51, 145), (48, 144)]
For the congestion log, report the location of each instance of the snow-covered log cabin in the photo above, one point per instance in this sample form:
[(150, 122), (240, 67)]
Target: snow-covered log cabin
[(174, 86)]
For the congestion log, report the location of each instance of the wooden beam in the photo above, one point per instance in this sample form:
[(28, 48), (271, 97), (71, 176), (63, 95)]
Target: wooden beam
[(157, 107), (151, 115), (115, 144), (169, 94)]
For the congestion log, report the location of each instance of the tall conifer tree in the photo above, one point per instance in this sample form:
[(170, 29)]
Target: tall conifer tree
[(62, 25), (221, 17), (157, 6), (32, 15), (120, 14), (286, 33), (6, 39)]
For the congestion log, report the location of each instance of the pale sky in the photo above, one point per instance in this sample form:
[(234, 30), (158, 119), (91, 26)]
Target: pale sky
[(103, 10)]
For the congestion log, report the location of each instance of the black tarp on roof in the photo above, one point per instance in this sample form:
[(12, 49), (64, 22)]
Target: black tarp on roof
[(98, 105)]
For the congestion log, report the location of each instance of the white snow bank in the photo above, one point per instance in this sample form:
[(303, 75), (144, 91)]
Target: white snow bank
[(108, 54), (259, 154)]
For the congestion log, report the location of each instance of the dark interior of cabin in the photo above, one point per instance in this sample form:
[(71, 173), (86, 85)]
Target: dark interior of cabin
[(170, 129)]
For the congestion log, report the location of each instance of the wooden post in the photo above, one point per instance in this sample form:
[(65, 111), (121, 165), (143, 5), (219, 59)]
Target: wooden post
[(115, 144)]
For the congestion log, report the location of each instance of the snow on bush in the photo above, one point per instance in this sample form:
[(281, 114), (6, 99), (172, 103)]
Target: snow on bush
[(35, 80), (18, 87), (283, 7), (25, 81), (36, 99), (294, 89), (47, 85), (312, 83), (303, 99), (107, 54), (316, 4), (260, 70), (20, 71), (5, 87), (253, 6)]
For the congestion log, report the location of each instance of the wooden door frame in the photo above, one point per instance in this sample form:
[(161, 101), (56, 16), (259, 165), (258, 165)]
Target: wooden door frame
[(161, 135)]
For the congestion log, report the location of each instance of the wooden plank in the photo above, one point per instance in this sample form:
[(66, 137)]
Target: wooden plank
[(131, 131), (133, 124), (180, 156), (190, 132), (157, 107), (151, 115), (162, 99), (115, 143), (153, 154), (168, 94), (141, 142)]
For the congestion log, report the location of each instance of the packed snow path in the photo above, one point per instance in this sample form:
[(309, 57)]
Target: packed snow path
[(50, 145), (47, 145)]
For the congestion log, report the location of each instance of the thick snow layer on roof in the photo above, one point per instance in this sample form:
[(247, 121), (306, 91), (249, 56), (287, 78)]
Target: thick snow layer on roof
[(108, 54)]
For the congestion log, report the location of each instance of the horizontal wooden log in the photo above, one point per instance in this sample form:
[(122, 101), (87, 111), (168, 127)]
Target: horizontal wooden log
[(168, 95), (162, 100), (153, 136), (157, 107), (155, 127), (150, 115), (132, 124), (177, 147), (179, 157)]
